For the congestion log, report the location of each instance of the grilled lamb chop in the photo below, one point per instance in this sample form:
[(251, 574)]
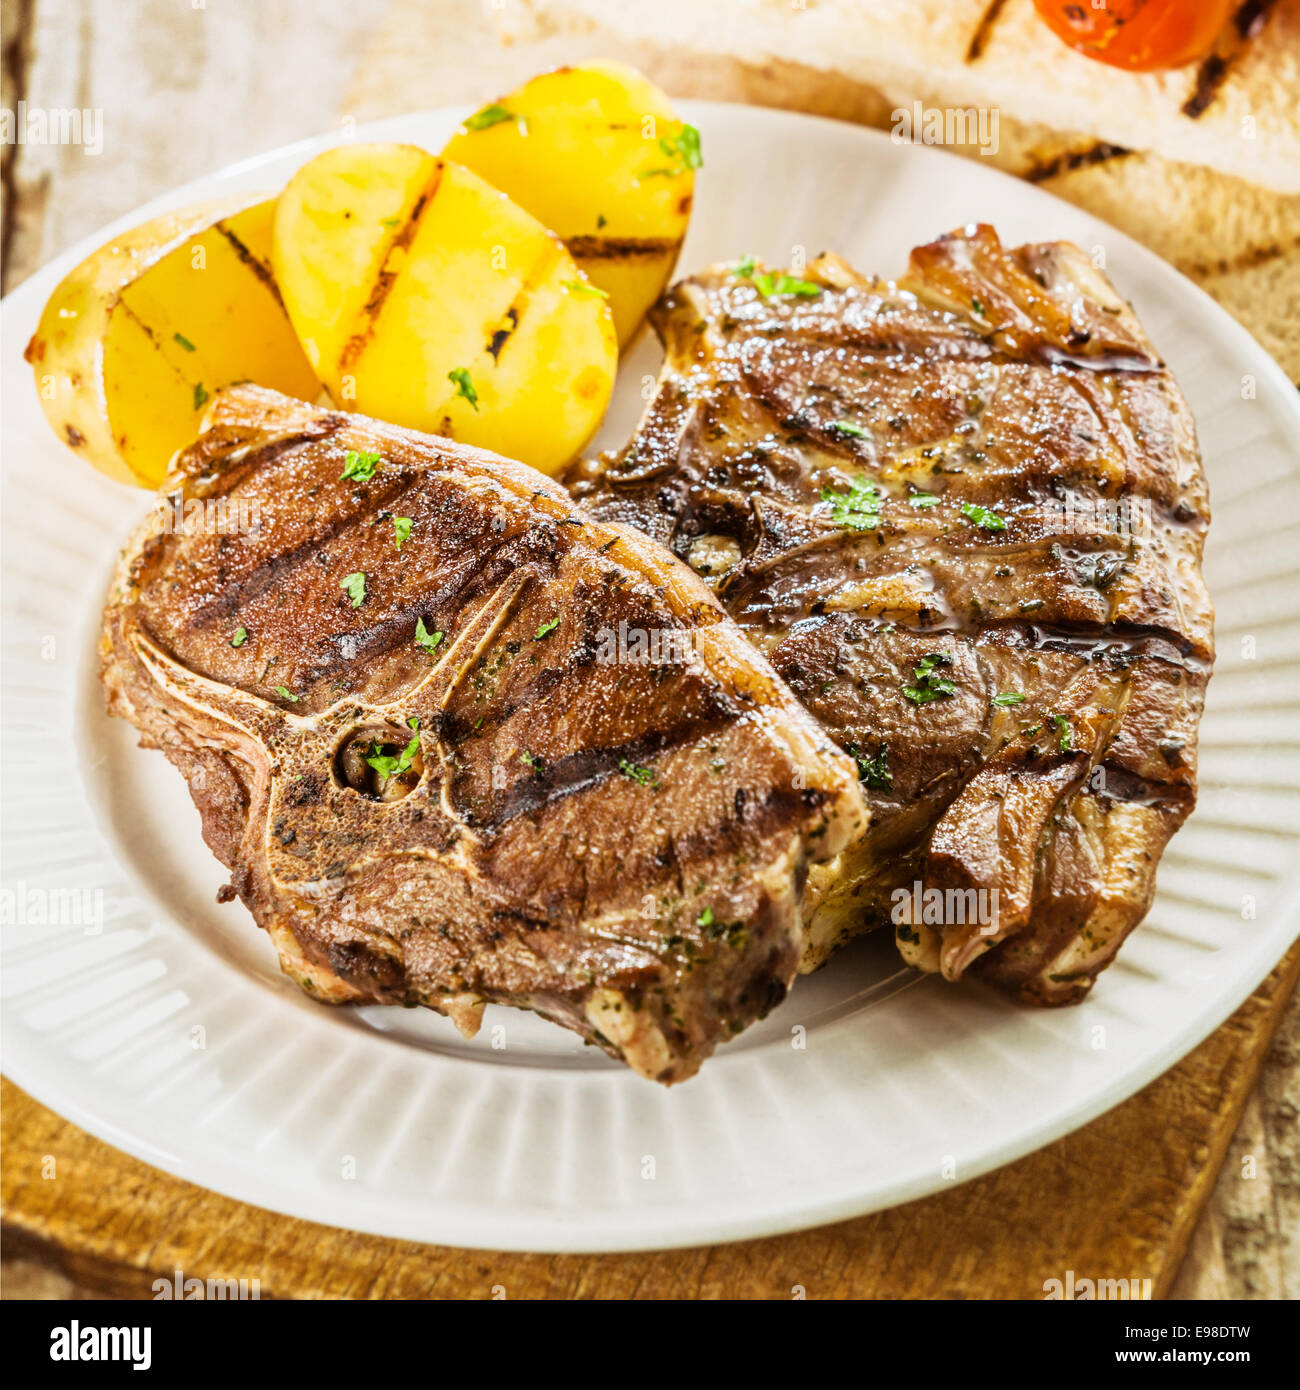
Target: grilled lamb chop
[(436, 776), (963, 515)]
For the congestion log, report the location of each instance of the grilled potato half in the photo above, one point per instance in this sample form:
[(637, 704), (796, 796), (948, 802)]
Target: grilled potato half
[(427, 298), (597, 154), (134, 341)]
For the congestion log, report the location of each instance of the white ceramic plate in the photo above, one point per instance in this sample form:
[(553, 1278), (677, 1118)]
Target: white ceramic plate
[(166, 1029)]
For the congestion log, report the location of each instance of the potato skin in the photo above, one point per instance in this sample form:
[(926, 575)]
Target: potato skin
[(135, 339), (580, 150), (63, 352), (426, 297)]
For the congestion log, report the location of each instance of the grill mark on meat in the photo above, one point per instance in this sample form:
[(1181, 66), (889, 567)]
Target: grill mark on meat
[(579, 771), (1116, 641), (377, 641), (230, 471), (1122, 784), (279, 567), (397, 630)]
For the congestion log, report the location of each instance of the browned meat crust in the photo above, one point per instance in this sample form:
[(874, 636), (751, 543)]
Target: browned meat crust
[(618, 844), (981, 486)]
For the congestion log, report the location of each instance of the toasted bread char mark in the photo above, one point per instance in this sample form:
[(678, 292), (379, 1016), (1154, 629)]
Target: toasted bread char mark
[(396, 245), (1214, 69), (279, 569), (979, 40), (1068, 160), (581, 836), (1248, 258)]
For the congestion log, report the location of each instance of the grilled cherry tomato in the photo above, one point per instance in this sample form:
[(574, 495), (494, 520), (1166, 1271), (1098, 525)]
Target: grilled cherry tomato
[(1138, 34)]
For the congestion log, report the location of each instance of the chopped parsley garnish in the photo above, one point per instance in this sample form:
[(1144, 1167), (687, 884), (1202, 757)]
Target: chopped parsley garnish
[(546, 629), (686, 146), (977, 307), (388, 766), (705, 919), (401, 530), (488, 117), (637, 773), (413, 722), (184, 342), (360, 465), (848, 427), (287, 694), (982, 516), (424, 638), (240, 637), (873, 771), (1008, 697), (461, 380), (200, 396), (929, 686), (1066, 740), (924, 499), (683, 147), (533, 760), (858, 509), (583, 287), (769, 284), (354, 585)]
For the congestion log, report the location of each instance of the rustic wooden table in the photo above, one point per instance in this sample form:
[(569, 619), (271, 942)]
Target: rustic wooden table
[(184, 90)]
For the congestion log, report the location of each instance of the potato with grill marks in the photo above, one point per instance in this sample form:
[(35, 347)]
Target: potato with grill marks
[(426, 297), (136, 340), (598, 154)]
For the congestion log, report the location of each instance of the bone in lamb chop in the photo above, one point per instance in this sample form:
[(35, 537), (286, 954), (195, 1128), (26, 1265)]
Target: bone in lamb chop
[(962, 515), (459, 743)]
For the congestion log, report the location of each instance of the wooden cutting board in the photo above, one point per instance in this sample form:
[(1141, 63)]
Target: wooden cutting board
[(1120, 1198), (1117, 1199)]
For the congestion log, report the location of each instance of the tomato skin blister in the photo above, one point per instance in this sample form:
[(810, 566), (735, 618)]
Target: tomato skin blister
[(1139, 35)]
